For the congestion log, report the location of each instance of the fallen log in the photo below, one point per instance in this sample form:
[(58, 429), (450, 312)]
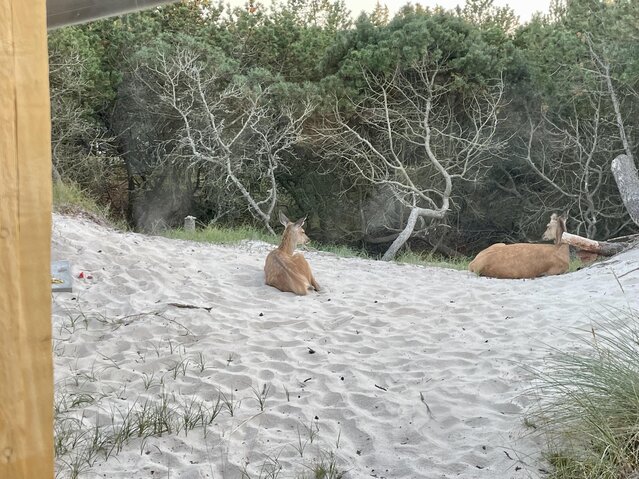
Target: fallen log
[(602, 248)]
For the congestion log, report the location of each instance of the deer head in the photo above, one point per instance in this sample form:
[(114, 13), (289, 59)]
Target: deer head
[(555, 228), (294, 233)]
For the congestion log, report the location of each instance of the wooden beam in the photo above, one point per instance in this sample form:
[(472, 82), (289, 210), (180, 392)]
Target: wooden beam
[(71, 12), (26, 373)]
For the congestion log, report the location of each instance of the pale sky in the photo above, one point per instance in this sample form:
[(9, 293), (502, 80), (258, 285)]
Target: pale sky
[(523, 8)]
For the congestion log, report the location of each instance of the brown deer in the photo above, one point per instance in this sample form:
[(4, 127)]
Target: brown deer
[(524, 260), (286, 270)]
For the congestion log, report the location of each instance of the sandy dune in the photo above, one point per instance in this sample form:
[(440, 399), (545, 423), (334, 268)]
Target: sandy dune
[(401, 371)]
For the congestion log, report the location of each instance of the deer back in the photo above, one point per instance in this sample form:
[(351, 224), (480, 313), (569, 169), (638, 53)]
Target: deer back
[(285, 269), (524, 260), (521, 260)]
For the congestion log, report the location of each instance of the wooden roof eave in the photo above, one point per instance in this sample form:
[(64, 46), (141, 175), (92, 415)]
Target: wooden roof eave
[(61, 13)]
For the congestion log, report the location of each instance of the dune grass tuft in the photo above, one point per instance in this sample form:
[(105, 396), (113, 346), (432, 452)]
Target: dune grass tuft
[(589, 406), (427, 259), (325, 467), (343, 251), (95, 422), (226, 235), (222, 235), (68, 195), (575, 264), (70, 199)]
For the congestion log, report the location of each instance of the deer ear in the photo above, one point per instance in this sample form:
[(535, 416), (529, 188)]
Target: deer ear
[(283, 219), (300, 222)]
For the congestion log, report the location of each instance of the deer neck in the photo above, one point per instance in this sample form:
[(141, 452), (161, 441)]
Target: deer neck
[(288, 242), (561, 229)]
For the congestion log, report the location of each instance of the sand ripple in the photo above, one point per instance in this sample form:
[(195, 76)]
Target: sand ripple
[(402, 371)]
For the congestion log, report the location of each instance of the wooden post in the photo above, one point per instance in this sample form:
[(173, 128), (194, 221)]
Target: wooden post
[(26, 373)]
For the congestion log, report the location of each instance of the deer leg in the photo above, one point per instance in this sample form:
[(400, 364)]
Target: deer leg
[(300, 289)]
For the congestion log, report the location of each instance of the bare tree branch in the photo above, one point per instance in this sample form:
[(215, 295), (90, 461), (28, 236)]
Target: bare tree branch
[(407, 138), (229, 125)]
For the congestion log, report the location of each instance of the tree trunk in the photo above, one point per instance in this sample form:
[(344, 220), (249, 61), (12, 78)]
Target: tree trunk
[(625, 173), (403, 236), (600, 247)]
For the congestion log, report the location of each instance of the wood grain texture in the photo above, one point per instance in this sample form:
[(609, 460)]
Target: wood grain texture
[(26, 374)]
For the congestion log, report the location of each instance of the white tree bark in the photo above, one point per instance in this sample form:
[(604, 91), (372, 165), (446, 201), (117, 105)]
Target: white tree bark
[(603, 248), (409, 228), (408, 138), (623, 166), (627, 178), (232, 128)]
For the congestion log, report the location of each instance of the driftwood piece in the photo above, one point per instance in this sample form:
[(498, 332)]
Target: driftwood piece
[(602, 248), (625, 173)]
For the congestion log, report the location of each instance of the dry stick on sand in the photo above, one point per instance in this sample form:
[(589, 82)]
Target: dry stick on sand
[(190, 306), (430, 413)]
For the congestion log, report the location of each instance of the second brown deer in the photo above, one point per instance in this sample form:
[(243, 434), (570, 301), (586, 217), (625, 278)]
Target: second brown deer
[(525, 260), (285, 269)]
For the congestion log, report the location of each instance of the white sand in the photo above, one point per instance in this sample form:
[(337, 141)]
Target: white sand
[(457, 340)]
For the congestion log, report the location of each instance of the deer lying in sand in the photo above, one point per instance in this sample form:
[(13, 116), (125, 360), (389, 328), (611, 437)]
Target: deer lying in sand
[(523, 260), (285, 269)]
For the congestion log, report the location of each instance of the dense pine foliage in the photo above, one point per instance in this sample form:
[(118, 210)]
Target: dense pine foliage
[(481, 125)]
